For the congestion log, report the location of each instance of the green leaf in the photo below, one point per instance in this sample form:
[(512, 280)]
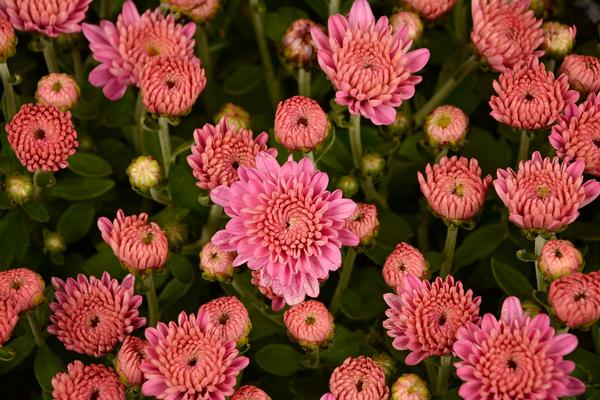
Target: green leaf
[(345, 344), (363, 299), (104, 260), (511, 281), (173, 291), (74, 223), (479, 244), (45, 366), (36, 211), (393, 229), (22, 347), (184, 191), (89, 165), (278, 22), (15, 237), (492, 153), (587, 362), (583, 231), (243, 79), (78, 189), (181, 268), (278, 359)]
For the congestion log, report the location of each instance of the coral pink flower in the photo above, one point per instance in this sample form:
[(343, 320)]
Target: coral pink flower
[(138, 245), (42, 137), (446, 125), (559, 258), (22, 286), (249, 392), (410, 387), (228, 319), (516, 357), (52, 18), (505, 32), (576, 299), (215, 263), (218, 151), (369, 65), (185, 361), (404, 260), (8, 39), (558, 38), (424, 317), (357, 379), (263, 283), (298, 48), (300, 124), (545, 195), (129, 359), (81, 381), (91, 315), (123, 49), (363, 222), (285, 222), (577, 133), (309, 323), (196, 10), (58, 90), (583, 72), (9, 316), (411, 21), (430, 9), (454, 188)]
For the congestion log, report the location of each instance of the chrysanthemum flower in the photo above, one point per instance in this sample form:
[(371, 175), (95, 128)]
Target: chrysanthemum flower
[(357, 378), (545, 195), (309, 323), (236, 116), (262, 281), (58, 90), (91, 315), (219, 151), (454, 188), (196, 10), (528, 97), (558, 38), (215, 263), (560, 258), (184, 360), (370, 66), (300, 124), (23, 286), (8, 39), (446, 125), (411, 21), (404, 260), (363, 222), (42, 137), (576, 299), (285, 222), (410, 387), (9, 316), (298, 48), (424, 317), (52, 18), (228, 319), (516, 357), (138, 245), (123, 49), (505, 32), (81, 381), (128, 361), (583, 72), (249, 392), (577, 133), (430, 9)]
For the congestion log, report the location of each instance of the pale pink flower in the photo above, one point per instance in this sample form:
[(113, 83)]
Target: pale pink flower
[(285, 222), (81, 381), (446, 125), (22, 286), (559, 258), (558, 38), (404, 260), (91, 316), (357, 378), (583, 72), (52, 18), (185, 361), (138, 244), (369, 65), (9, 316), (235, 116), (129, 359), (516, 357), (424, 317), (8, 39), (58, 90), (197, 10), (249, 392), (410, 387), (123, 49), (309, 323), (228, 319), (219, 151), (411, 21), (263, 283), (300, 124), (298, 48), (545, 195), (42, 137), (363, 222), (576, 299), (430, 9), (215, 263)]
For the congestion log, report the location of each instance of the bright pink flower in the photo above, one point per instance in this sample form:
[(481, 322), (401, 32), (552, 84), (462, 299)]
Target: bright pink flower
[(559, 258), (42, 137), (219, 151), (430, 9), (404, 260), (8, 39), (260, 279), (129, 359), (215, 263), (309, 323), (545, 195), (22, 286), (516, 357), (410, 387), (249, 392), (138, 245), (446, 125), (285, 222), (300, 124), (558, 38), (123, 49), (197, 10), (411, 21), (363, 222), (424, 317), (185, 361), (9, 316), (369, 65), (505, 32), (228, 319), (81, 381), (577, 133), (583, 72), (454, 188), (298, 47), (91, 315), (58, 90), (52, 18), (576, 299), (357, 378)]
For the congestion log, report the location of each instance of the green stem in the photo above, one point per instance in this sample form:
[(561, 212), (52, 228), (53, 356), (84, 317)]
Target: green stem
[(596, 338), (448, 252), (204, 51), (347, 266), (137, 134), (355, 140), (304, 82), (104, 8), (371, 192), (165, 144), (153, 310), (539, 275), (10, 99), (212, 223), (441, 154), (259, 31), (37, 189), (256, 303), (311, 155), (50, 55), (524, 147), (334, 7), (38, 335), (444, 371), (78, 67)]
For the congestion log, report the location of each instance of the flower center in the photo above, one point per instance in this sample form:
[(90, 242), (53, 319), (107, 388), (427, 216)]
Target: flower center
[(95, 321), (302, 121), (170, 83), (310, 320), (39, 134), (214, 256), (528, 96), (511, 364), (580, 296), (223, 318), (16, 285), (192, 362), (235, 165), (95, 395), (56, 86), (442, 319), (543, 191), (147, 238), (557, 253), (401, 267), (359, 385), (458, 189), (596, 143), (152, 51), (444, 121)]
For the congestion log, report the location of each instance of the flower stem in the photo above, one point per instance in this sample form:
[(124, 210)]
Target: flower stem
[(539, 275), (355, 140), (38, 335), (212, 223), (441, 154), (153, 310), (441, 384), (371, 192), (524, 147), (78, 67), (304, 82), (138, 127), (448, 252), (334, 7), (104, 8), (259, 31), (37, 189), (165, 144), (256, 303), (311, 156), (203, 51), (10, 99), (347, 266), (50, 55)]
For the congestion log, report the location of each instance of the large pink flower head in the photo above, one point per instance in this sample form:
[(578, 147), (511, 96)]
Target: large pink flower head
[(300, 124), (124, 49), (23, 286), (369, 65), (139, 245), (430, 9), (576, 299), (42, 137), (285, 222), (263, 283), (577, 133), (215, 263), (309, 323), (228, 319), (185, 361), (52, 18), (505, 32), (364, 223), (528, 97), (583, 72), (219, 151), (545, 195), (81, 381), (196, 10), (129, 359), (91, 315), (58, 90), (249, 392), (454, 188), (357, 378), (9, 316), (8, 39), (516, 357), (404, 260), (424, 317)]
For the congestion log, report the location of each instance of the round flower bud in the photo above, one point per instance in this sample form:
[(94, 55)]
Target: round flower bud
[(176, 233), (8, 39), (576, 299), (348, 185), (144, 173), (58, 90), (559, 258), (357, 378), (363, 222), (228, 319), (400, 125), (410, 21), (446, 126), (249, 392), (129, 359), (372, 164), (54, 243), (430, 9), (386, 362), (298, 49), (558, 39), (300, 124), (216, 264), (531, 309), (404, 260), (197, 10), (583, 72), (236, 116), (22, 287), (19, 188), (410, 387), (310, 324)]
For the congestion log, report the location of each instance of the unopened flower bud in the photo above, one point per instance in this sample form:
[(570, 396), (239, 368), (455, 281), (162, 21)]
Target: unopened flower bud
[(348, 185), (8, 39), (364, 223), (216, 264), (559, 258), (235, 115), (372, 164), (300, 124), (446, 126), (539, 7), (411, 21), (310, 324), (19, 188), (177, 234), (558, 39), (530, 308), (387, 363), (144, 173), (298, 49), (58, 90), (54, 243), (410, 387), (400, 125)]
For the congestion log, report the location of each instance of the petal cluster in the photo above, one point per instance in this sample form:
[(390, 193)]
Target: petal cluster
[(94, 381), (23, 287), (363, 222), (446, 125), (249, 392), (309, 323), (215, 263), (129, 359), (8, 39), (228, 319), (260, 279), (58, 90), (357, 378), (559, 258), (197, 10), (300, 124), (430, 9), (9, 316), (298, 48), (576, 299), (404, 260), (583, 72), (52, 18)]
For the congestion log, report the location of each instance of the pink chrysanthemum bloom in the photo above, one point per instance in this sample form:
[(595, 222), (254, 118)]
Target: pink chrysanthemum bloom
[(300, 124), (446, 125), (263, 283), (249, 392), (9, 316), (52, 18), (185, 361), (410, 387), (123, 49), (576, 299), (369, 65), (424, 317), (559, 258), (8, 39), (91, 315), (218, 151), (196, 10), (290, 226), (545, 195), (81, 381), (516, 357), (310, 324), (215, 263), (228, 319), (505, 32), (170, 85), (23, 286), (138, 244), (528, 97), (236, 116), (298, 48), (404, 260), (411, 21), (430, 9), (558, 38), (577, 133), (363, 222), (128, 361), (583, 72), (357, 378), (58, 90), (42, 137), (454, 188)]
